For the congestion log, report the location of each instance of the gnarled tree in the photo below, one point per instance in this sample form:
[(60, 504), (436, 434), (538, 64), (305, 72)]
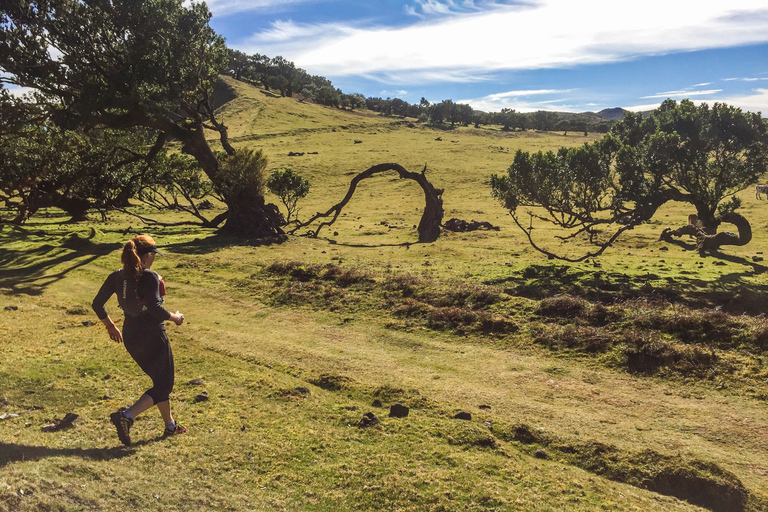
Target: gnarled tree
[(429, 225), (122, 64), (698, 155)]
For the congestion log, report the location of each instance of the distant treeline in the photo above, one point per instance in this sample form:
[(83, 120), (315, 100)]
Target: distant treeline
[(280, 75)]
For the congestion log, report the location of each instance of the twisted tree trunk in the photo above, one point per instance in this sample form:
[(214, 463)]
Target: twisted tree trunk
[(707, 242), (429, 226)]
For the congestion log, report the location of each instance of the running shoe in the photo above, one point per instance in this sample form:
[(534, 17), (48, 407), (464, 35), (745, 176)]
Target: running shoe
[(123, 426), (180, 429)]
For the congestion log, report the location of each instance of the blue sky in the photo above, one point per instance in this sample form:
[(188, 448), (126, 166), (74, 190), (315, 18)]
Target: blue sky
[(565, 55)]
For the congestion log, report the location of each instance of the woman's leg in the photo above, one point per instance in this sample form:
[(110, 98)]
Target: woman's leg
[(165, 411), (141, 405)]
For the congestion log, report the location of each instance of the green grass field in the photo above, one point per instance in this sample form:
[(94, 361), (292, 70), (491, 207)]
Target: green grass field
[(637, 382)]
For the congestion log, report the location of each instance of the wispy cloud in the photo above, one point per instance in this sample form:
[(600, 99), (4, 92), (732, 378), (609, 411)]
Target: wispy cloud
[(745, 79), (431, 8), (525, 100), (393, 94), (480, 37), (756, 101), (681, 94), (229, 7)]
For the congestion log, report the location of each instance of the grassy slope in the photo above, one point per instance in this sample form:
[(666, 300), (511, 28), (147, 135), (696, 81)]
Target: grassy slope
[(254, 337)]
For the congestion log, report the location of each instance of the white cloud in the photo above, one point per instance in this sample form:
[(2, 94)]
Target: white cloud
[(228, 7), (755, 102), (393, 94), (545, 33), (522, 102), (681, 94)]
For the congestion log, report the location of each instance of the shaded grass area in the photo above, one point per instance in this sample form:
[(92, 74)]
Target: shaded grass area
[(699, 482), (643, 335)]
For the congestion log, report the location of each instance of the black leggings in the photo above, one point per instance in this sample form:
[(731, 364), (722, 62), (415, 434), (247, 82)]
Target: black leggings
[(148, 345)]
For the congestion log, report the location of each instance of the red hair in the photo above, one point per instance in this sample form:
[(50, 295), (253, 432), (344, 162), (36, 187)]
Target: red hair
[(130, 258)]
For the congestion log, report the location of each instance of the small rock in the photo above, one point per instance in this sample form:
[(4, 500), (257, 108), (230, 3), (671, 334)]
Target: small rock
[(665, 248), (202, 397), (88, 323), (369, 420), (11, 308), (377, 403), (62, 424), (195, 382), (352, 408), (398, 411), (486, 407), (463, 416), (757, 258), (541, 454), (302, 390), (8, 416)]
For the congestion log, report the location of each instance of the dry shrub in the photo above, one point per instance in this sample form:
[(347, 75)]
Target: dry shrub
[(469, 296), (407, 285), (296, 270), (759, 335), (688, 325), (410, 308), (451, 318), (331, 382), (647, 353), (563, 306), (582, 338), (346, 277)]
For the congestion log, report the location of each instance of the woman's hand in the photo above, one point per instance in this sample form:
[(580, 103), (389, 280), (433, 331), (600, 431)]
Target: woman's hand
[(114, 332), (177, 318)]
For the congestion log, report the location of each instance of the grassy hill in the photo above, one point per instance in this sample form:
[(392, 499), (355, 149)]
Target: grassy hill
[(631, 383)]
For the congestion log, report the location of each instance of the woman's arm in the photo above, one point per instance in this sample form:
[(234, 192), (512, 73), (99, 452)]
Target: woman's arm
[(105, 292)]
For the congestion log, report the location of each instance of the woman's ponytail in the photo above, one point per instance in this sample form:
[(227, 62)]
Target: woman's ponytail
[(131, 261), (130, 258)]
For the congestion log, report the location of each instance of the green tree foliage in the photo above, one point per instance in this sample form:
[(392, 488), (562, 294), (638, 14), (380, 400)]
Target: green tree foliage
[(290, 187), (42, 165), (122, 64), (699, 155), (178, 182)]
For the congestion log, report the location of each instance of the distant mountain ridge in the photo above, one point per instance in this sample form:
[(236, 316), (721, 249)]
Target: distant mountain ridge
[(612, 114)]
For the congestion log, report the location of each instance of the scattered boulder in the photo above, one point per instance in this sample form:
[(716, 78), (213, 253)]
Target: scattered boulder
[(195, 382), (88, 323), (292, 153), (541, 454), (11, 308), (485, 407), (202, 397), (369, 420), (398, 411), (461, 226), (60, 424), (463, 415), (358, 141), (377, 403)]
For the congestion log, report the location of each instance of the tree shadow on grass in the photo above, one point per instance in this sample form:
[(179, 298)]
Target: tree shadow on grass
[(732, 292), (218, 241), (12, 452), (756, 267), (28, 271)]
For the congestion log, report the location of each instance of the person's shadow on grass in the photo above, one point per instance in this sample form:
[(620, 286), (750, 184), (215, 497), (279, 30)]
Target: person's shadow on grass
[(12, 452)]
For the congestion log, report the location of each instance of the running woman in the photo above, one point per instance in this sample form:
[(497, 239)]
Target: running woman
[(140, 292)]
